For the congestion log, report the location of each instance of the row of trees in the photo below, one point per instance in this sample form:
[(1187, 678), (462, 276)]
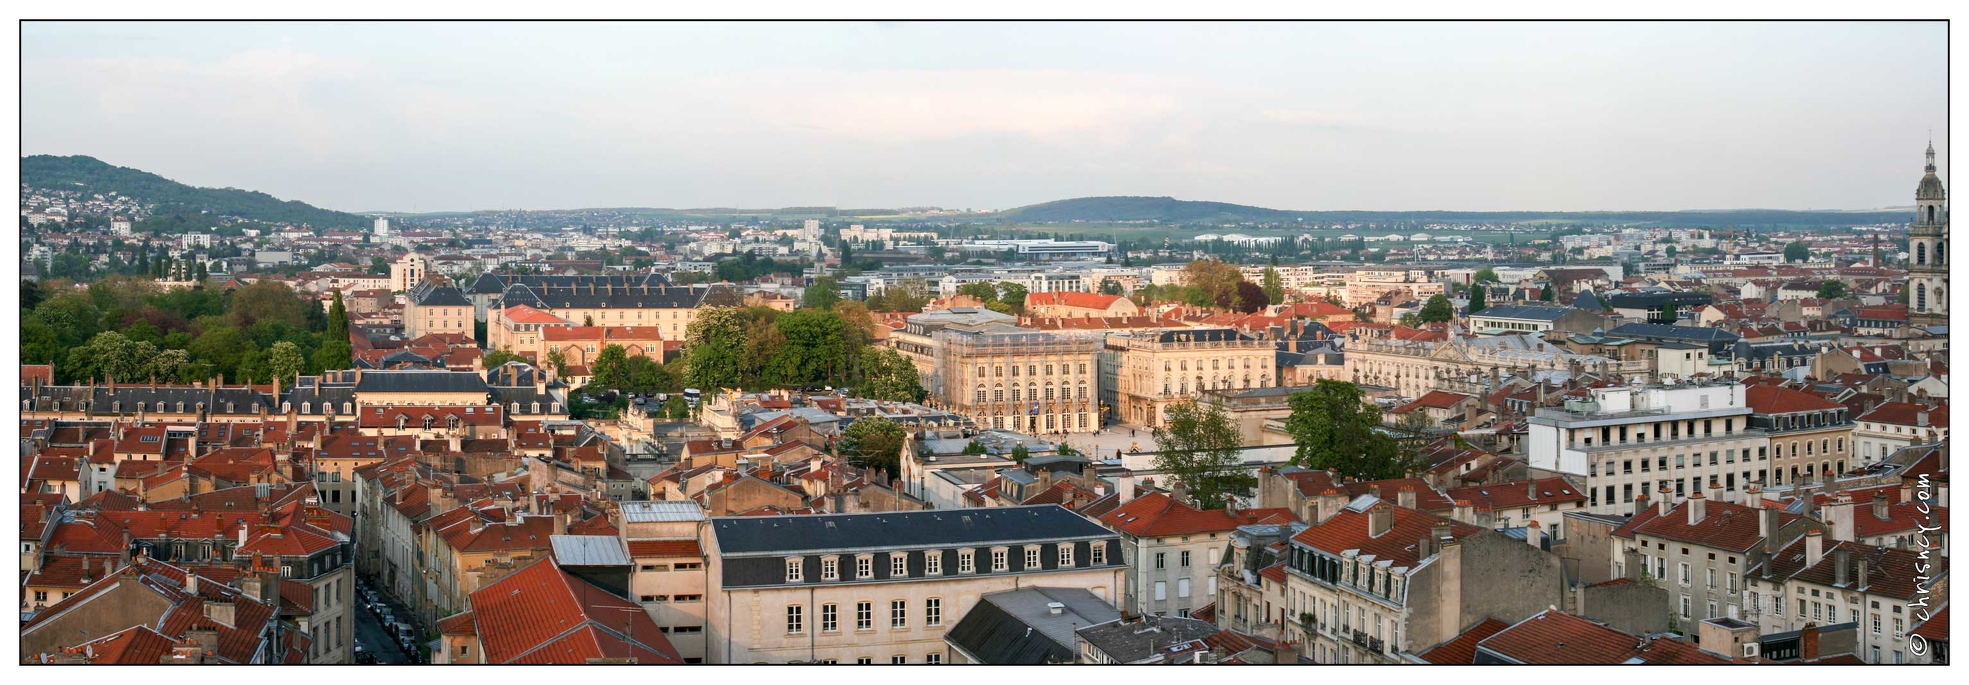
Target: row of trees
[(1332, 424), (129, 329)]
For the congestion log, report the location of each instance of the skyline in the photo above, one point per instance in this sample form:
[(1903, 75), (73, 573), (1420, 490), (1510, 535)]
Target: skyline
[(1296, 116)]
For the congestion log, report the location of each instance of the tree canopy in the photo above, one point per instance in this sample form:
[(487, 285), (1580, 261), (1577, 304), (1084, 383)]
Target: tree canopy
[(874, 442), (1335, 428), (1199, 445), (1437, 310)]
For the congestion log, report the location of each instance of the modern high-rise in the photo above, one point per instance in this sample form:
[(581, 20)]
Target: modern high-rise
[(1927, 270), (382, 228)]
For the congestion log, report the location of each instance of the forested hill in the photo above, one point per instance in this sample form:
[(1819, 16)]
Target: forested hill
[(1174, 211), (178, 206)]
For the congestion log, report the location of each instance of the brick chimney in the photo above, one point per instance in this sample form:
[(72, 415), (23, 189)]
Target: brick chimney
[(1808, 641)]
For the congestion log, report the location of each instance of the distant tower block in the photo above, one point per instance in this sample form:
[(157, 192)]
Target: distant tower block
[(382, 227), (811, 230)]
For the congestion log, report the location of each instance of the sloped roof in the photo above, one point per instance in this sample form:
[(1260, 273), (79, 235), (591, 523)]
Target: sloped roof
[(541, 614)]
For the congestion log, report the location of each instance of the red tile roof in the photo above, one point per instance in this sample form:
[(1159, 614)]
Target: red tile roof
[(524, 314), (1768, 399), (1555, 637), (1158, 514), (1517, 495), (1908, 414), (650, 549), (1349, 530), (1071, 299), (1727, 526), (1463, 649), (543, 615)]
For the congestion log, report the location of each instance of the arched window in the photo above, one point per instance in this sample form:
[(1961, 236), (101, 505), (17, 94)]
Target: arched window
[(181, 407), (429, 421), (536, 407), (307, 407), (348, 408), (516, 408), (402, 422), (1931, 214), (284, 407), (1920, 299), (1921, 253)]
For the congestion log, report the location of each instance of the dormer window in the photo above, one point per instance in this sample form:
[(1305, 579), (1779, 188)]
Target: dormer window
[(307, 407), (795, 570), (864, 567)]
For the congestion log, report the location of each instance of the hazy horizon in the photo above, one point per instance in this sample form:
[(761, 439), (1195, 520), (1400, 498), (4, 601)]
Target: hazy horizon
[(454, 117)]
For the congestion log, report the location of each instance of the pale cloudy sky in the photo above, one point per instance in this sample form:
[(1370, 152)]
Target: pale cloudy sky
[(1312, 116)]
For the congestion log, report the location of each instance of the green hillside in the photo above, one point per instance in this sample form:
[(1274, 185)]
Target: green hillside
[(1172, 211), (179, 207)]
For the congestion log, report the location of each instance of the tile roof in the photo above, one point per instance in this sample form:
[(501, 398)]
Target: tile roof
[(1770, 399), (1727, 526), (1907, 414), (543, 615), (1517, 495), (1555, 637), (1463, 649), (1348, 530), (1071, 299), (1158, 514)]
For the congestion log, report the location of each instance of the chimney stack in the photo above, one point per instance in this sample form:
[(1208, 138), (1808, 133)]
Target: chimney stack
[(1180, 492), (1698, 508), (1666, 504), (1814, 547), (1406, 497), (1534, 535), (1842, 557), (1753, 496), (1808, 642), (1880, 505), (1380, 519)]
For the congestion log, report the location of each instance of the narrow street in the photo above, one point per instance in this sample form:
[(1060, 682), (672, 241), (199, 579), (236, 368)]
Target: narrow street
[(375, 640)]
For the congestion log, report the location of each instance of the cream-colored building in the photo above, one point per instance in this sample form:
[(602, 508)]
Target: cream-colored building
[(668, 308), (1364, 287), (916, 340), (1143, 372), (1463, 364), (669, 577), (434, 307), (1018, 379), (883, 588)]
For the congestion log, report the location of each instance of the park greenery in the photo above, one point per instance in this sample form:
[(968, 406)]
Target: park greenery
[(1199, 446), (130, 329)]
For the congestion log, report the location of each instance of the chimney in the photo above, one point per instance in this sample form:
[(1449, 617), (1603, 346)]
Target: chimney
[(1753, 496), (1534, 535), (1666, 504), (1839, 517), (1180, 492), (1860, 580), (191, 584), (1880, 505), (1814, 547), (1641, 502), (1808, 642), (1842, 558), (1380, 520), (1698, 508), (1464, 512), (1406, 497)]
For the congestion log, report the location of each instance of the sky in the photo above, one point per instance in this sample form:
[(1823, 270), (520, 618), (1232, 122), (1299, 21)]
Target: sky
[(361, 116)]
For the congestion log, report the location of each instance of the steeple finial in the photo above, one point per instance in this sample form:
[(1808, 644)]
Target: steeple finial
[(1931, 152)]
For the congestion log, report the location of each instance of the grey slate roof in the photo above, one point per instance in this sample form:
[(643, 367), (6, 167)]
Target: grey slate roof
[(1656, 331), (430, 294), (604, 296), (1201, 335), (1017, 626), (494, 284), (420, 381), (1523, 311), (785, 535), (1132, 641), (1655, 300)]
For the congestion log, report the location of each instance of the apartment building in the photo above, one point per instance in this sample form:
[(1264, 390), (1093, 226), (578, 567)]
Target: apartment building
[(1364, 287), (1150, 370), (1463, 364), (1700, 551), (435, 307), (883, 588), (1172, 550), (1891, 426), (1792, 419), (916, 340), (669, 309), (1886, 591), (1627, 441), (1017, 378), (669, 578), (1377, 580)]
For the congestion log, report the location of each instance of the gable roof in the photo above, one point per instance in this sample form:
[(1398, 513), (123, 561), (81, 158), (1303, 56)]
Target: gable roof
[(543, 615)]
